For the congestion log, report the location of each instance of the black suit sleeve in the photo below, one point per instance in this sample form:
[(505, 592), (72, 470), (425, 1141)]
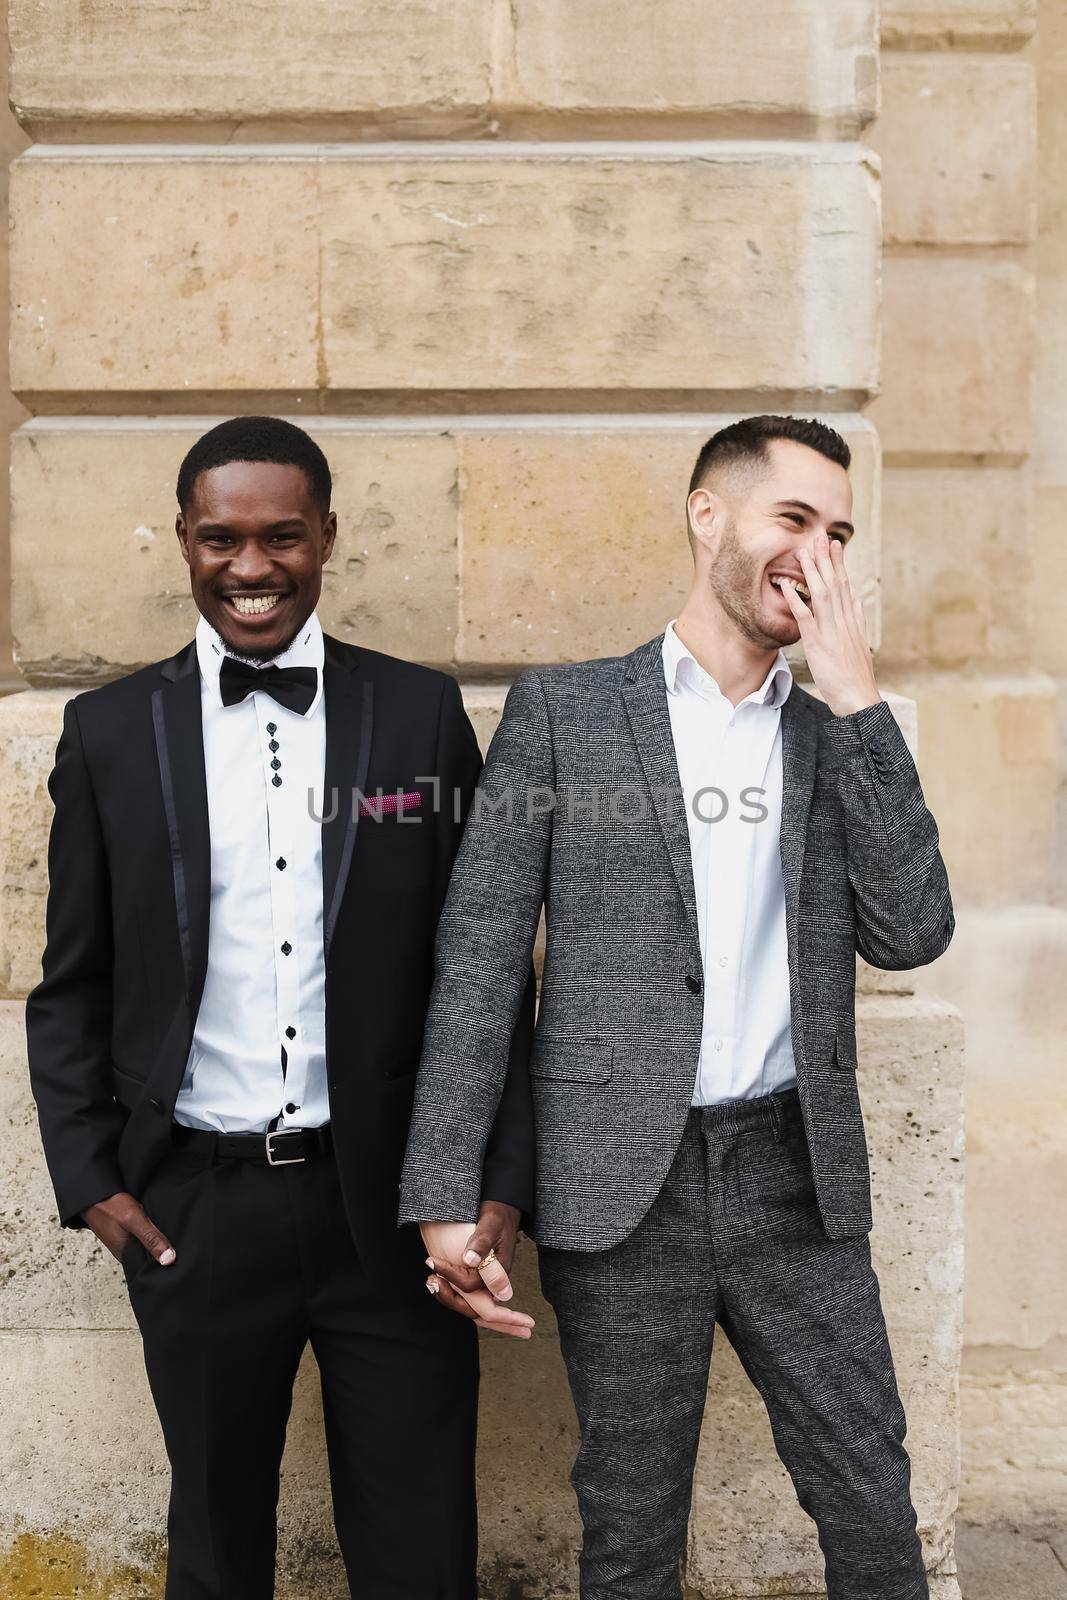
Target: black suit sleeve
[(508, 1172), (68, 1014)]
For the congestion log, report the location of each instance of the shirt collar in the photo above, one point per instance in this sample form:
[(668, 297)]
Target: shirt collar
[(681, 669), (306, 650)]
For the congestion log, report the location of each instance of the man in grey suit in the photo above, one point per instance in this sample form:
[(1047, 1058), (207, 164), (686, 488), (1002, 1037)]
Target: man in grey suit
[(712, 845)]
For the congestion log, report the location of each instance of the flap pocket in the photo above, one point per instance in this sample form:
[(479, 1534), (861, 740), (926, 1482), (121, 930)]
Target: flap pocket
[(845, 1044), (570, 1060)]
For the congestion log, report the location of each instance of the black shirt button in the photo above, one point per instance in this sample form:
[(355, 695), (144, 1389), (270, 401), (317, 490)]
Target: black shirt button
[(273, 745), (286, 948), (694, 985), (275, 763), (280, 863), (290, 1033), (277, 782), (290, 1108), (272, 728)]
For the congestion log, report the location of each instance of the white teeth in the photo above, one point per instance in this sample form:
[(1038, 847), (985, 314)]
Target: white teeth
[(252, 605), (801, 588)]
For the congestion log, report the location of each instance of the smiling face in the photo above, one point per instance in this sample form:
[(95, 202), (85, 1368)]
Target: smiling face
[(746, 539), (256, 543)]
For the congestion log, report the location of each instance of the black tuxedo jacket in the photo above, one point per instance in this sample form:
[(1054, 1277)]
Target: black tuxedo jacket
[(110, 1023)]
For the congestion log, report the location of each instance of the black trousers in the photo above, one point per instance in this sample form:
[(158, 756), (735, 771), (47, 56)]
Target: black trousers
[(265, 1263)]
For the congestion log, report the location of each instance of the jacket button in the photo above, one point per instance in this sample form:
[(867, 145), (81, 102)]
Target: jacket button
[(157, 1105), (694, 985)]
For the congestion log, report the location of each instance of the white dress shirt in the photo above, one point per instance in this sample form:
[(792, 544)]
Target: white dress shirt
[(746, 1044), (259, 1046)]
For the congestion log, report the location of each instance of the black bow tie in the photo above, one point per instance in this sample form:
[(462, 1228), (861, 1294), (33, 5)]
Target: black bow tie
[(292, 687)]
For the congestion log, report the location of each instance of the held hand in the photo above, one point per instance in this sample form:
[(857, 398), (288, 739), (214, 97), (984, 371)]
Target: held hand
[(114, 1220), (833, 631), (470, 1291)]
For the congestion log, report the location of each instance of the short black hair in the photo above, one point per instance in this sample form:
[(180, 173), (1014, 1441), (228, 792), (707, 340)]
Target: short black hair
[(257, 439), (747, 440)]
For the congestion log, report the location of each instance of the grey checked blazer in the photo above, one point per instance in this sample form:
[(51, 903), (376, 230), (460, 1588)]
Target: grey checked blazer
[(618, 1032)]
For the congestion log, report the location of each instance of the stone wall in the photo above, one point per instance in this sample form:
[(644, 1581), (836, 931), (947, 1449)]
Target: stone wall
[(973, 138), (512, 263)]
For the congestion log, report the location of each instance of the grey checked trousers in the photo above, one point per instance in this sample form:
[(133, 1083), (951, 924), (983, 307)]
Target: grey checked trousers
[(734, 1238)]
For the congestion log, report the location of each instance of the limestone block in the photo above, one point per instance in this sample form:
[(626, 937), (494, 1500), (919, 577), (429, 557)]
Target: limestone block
[(1004, 969), (603, 506), (322, 61), (30, 725), (957, 137), (455, 268), (957, 24), (686, 57), (991, 775), (110, 292), (957, 358), (77, 1393), (957, 580), (1014, 1464), (594, 272), (1049, 522), (574, 545), (376, 70), (111, 592)]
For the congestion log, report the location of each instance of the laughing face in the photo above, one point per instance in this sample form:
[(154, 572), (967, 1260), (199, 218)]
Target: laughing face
[(256, 543), (756, 542)]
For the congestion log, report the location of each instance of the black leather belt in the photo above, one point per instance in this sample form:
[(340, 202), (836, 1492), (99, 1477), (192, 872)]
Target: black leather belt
[(281, 1148)]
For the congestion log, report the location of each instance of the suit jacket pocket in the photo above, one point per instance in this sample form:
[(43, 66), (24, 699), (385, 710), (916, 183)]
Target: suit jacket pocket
[(845, 1044), (570, 1060)]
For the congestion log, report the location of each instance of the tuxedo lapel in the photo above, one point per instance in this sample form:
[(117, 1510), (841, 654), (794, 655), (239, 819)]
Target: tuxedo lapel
[(179, 734), (349, 693), (800, 742), (644, 693)]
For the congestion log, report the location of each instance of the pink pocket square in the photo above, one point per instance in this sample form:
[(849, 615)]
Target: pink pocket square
[(385, 805)]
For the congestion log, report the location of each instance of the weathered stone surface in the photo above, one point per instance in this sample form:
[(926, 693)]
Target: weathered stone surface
[(957, 587), (475, 68), (325, 60), (30, 725), (574, 545), (990, 776), (446, 270), (957, 24), (957, 357), (957, 136), (603, 504), (1004, 969), (109, 292), (684, 56), (541, 273), (1014, 1425), (70, 1394), (100, 585)]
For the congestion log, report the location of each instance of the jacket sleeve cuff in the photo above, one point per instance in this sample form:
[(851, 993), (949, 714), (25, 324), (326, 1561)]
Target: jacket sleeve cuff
[(447, 1202), (99, 1184), (871, 732)]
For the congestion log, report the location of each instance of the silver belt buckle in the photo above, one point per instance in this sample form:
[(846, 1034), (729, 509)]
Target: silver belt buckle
[(281, 1161)]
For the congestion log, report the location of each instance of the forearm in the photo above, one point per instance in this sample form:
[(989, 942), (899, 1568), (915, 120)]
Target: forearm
[(903, 906)]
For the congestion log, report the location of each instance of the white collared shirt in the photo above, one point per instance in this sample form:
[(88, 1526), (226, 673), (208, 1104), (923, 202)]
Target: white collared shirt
[(746, 1043), (264, 1000)]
